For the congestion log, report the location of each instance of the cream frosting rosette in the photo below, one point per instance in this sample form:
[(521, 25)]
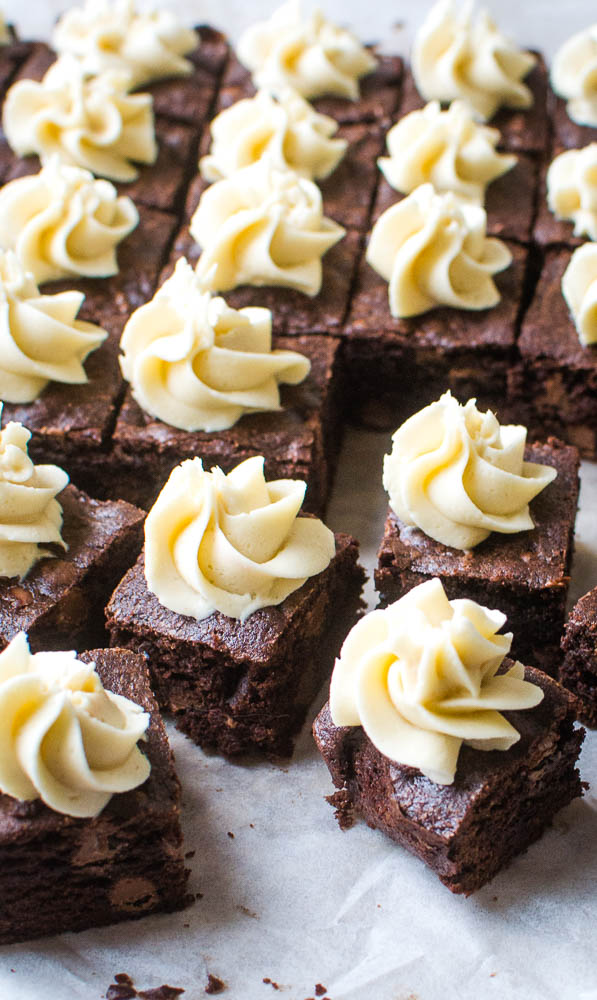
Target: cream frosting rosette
[(65, 739), (88, 122), (230, 543), (579, 287), (458, 475), (197, 364), (574, 75), (572, 189), (263, 226), (286, 128), (112, 34), (41, 340), (461, 55), (62, 222), (432, 250), (30, 515), (448, 149), (420, 677), (309, 54)]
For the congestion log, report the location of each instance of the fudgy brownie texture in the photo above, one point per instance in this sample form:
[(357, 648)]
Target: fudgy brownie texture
[(396, 366), (60, 602), (524, 575), (300, 441), (578, 669), (554, 385), (58, 873), (498, 804), (242, 686)]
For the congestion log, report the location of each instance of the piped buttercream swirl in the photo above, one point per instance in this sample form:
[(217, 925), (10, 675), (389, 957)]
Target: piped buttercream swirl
[(458, 475), (574, 75), (64, 738), (420, 677), (579, 287), (230, 543), (572, 189)]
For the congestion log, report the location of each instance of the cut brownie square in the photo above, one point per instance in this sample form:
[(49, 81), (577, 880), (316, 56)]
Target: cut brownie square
[(190, 98), (300, 441), (549, 230), (498, 804), (578, 670), (567, 134), (395, 366), (59, 603), (59, 873), (554, 386), (241, 686), (524, 575)]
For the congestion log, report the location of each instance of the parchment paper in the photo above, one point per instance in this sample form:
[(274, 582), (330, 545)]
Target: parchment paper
[(288, 897)]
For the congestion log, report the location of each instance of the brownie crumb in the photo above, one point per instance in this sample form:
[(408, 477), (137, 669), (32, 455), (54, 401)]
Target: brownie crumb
[(198, 895), (190, 854), (270, 982), (121, 991), (164, 992), (231, 835), (123, 978), (320, 990), (343, 807), (215, 984)]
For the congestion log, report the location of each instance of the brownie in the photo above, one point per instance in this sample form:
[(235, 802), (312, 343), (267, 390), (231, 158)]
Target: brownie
[(578, 669), (396, 366), (499, 803), (567, 134), (524, 575), (553, 388), (235, 686), (301, 441), (60, 602), (190, 98), (60, 873), (12, 57), (549, 230)]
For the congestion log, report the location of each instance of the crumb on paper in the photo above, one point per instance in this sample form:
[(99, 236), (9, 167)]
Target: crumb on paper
[(270, 982), (123, 988), (190, 854), (320, 990), (231, 835), (215, 984), (247, 912)]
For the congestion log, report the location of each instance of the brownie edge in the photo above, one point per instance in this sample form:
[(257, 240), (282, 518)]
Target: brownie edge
[(578, 670)]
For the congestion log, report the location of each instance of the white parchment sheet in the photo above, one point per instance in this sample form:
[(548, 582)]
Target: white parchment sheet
[(288, 897)]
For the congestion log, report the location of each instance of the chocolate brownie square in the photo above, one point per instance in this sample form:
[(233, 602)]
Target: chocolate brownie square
[(190, 98), (554, 386), (548, 230), (300, 441), (242, 686), (59, 603), (499, 803), (395, 366), (578, 669), (59, 873), (524, 575), (567, 134)]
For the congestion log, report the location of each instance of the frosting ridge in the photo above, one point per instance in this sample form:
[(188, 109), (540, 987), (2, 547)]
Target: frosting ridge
[(572, 189), (579, 287), (574, 75)]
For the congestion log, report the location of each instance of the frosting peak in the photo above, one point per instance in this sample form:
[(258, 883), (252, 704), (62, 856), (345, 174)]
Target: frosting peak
[(458, 475), (574, 75), (572, 189), (230, 543), (40, 338), (457, 54), (420, 677), (432, 249), (30, 515), (65, 739), (197, 364), (579, 286), (308, 54), (263, 226)]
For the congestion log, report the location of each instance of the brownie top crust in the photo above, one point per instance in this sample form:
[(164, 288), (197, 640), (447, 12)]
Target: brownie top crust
[(584, 612)]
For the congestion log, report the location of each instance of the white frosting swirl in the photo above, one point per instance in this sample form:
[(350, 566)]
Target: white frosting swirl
[(579, 287), (308, 54), (458, 475), (30, 515), (574, 75), (420, 677), (285, 128), (61, 222), (91, 123), (64, 739), (448, 149), (459, 55), (263, 226), (40, 338), (197, 364), (231, 543), (432, 249), (111, 34), (572, 189)]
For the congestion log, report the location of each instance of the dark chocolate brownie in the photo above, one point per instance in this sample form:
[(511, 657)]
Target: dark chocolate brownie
[(60, 602), (524, 575), (12, 57), (301, 441), (548, 230), (567, 134), (498, 804), (58, 873), (395, 366), (554, 386), (190, 98), (578, 669), (237, 686)]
